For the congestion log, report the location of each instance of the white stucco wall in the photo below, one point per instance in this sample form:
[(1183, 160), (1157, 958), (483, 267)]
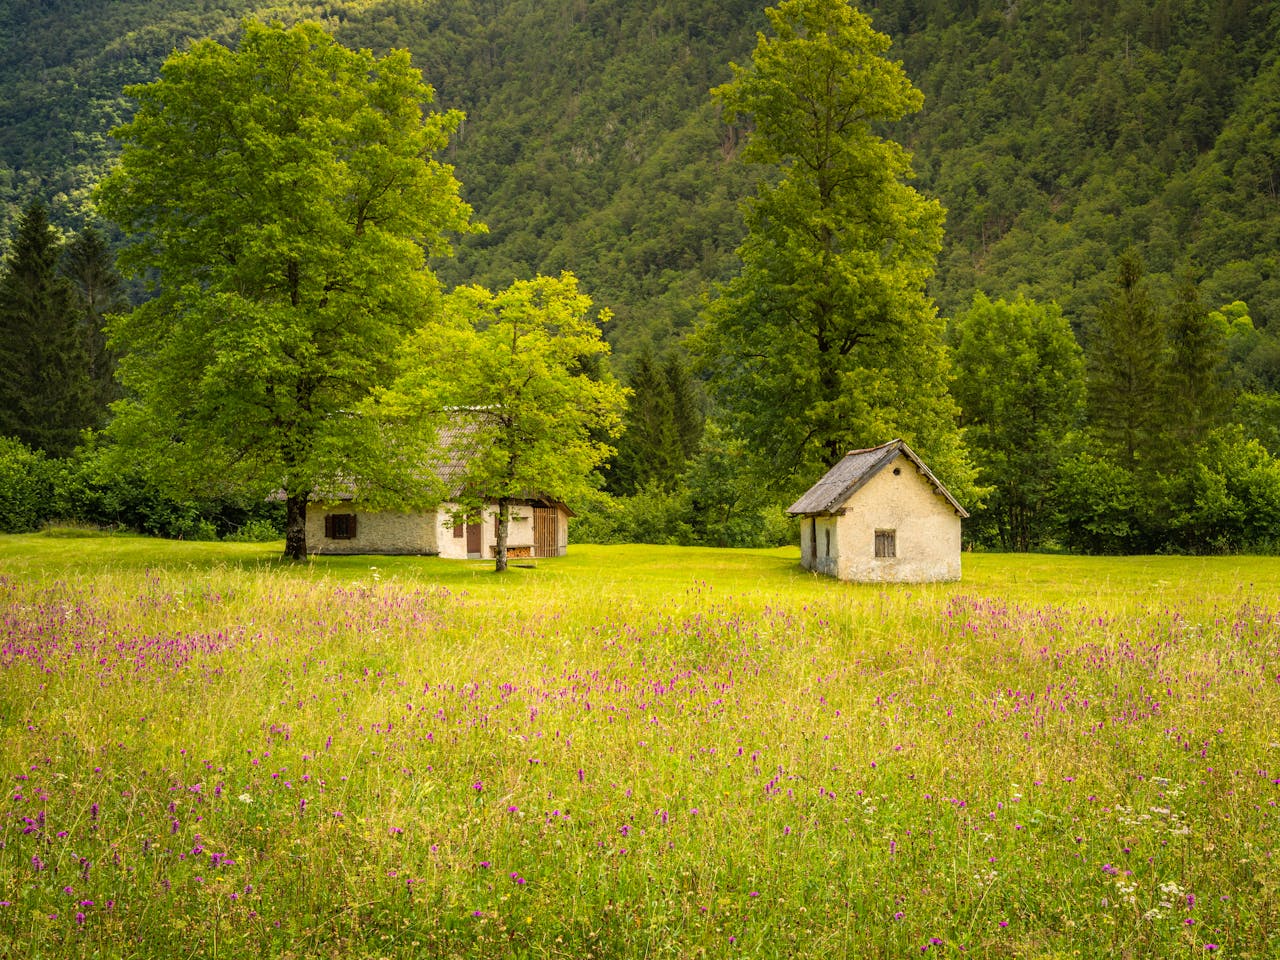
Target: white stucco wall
[(826, 557), (927, 530), (519, 533)]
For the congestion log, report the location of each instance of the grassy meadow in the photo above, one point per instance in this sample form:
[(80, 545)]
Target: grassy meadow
[(633, 752)]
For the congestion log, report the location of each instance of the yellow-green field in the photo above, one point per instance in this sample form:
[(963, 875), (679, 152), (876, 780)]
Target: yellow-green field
[(633, 752)]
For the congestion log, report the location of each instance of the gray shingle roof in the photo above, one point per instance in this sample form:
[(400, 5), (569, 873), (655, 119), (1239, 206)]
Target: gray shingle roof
[(839, 483)]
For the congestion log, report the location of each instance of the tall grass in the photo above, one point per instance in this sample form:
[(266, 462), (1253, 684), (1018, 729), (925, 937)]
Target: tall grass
[(633, 752)]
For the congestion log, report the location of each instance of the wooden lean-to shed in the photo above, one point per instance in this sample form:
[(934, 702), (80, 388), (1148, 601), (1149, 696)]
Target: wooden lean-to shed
[(880, 515)]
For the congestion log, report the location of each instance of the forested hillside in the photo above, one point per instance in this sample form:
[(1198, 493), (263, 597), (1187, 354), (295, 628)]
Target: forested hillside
[(1056, 134), (1110, 172)]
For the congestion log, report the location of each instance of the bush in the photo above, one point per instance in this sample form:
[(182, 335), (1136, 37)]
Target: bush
[(1098, 505), (1229, 499), (25, 487), (255, 530)]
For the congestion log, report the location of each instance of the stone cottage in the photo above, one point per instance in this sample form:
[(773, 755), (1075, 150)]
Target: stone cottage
[(880, 515), (539, 528), (539, 525)]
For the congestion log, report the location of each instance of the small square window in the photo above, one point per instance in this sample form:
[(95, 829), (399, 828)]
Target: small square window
[(340, 526), (886, 543)]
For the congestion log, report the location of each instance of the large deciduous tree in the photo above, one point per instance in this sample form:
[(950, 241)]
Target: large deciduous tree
[(827, 339), (510, 371), (1020, 386), (45, 395), (282, 198)]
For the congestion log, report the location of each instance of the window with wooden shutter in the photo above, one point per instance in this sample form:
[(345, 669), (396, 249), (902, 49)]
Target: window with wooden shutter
[(886, 543), (458, 530), (340, 526)]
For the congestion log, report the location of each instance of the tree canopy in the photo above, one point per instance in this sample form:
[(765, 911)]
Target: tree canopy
[(511, 374), (1020, 386), (280, 199), (827, 340)]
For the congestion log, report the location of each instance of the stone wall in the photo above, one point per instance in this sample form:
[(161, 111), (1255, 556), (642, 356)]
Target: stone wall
[(388, 532)]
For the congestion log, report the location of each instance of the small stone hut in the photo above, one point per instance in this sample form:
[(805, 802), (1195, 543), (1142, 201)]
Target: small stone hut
[(880, 516)]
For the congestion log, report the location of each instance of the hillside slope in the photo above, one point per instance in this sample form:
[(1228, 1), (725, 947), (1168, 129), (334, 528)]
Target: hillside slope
[(1057, 134)]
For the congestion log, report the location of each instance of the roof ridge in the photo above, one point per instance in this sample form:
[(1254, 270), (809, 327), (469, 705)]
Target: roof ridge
[(844, 479)]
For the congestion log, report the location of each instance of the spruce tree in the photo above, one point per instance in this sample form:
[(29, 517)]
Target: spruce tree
[(686, 407), (1125, 363), (649, 451), (89, 265), (1196, 396), (45, 395)]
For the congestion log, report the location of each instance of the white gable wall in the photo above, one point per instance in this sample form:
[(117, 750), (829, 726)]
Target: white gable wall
[(926, 530)]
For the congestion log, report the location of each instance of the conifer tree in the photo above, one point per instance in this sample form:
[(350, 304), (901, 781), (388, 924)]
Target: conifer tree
[(45, 395), (686, 406), (1195, 389), (649, 451), (87, 262), (1126, 362)]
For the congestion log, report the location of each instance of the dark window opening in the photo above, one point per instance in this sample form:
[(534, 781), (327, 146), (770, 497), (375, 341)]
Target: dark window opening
[(340, 526), (828, 533), (886, 543)]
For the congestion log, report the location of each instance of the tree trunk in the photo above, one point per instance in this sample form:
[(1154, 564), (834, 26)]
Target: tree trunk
[(295, 527), (504, 523)]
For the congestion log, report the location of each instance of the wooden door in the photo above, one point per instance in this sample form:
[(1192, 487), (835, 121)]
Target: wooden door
[(546, 539), (475, 540)]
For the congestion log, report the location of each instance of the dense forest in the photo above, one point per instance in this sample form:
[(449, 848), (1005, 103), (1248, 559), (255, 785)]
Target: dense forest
[(1104, 166)]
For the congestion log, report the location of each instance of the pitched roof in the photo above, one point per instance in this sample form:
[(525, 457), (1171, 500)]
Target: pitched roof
[(849, 475)]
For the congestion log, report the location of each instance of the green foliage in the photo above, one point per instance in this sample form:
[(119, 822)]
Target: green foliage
[(1098, 504), (1228, 499), (90, 266), (662, 426), (1196, 381), (25, 487), (1055, 136), (94, 488), (511, 371), (46, 397), (1126, 362), (281, 194), (1059, 136), (1259, 416), (826, 341), (1019, 381)]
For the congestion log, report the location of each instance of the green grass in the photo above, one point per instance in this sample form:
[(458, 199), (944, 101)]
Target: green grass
[(633, 752)]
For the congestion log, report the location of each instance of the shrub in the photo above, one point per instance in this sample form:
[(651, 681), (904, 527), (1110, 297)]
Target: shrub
[(25, 487)]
